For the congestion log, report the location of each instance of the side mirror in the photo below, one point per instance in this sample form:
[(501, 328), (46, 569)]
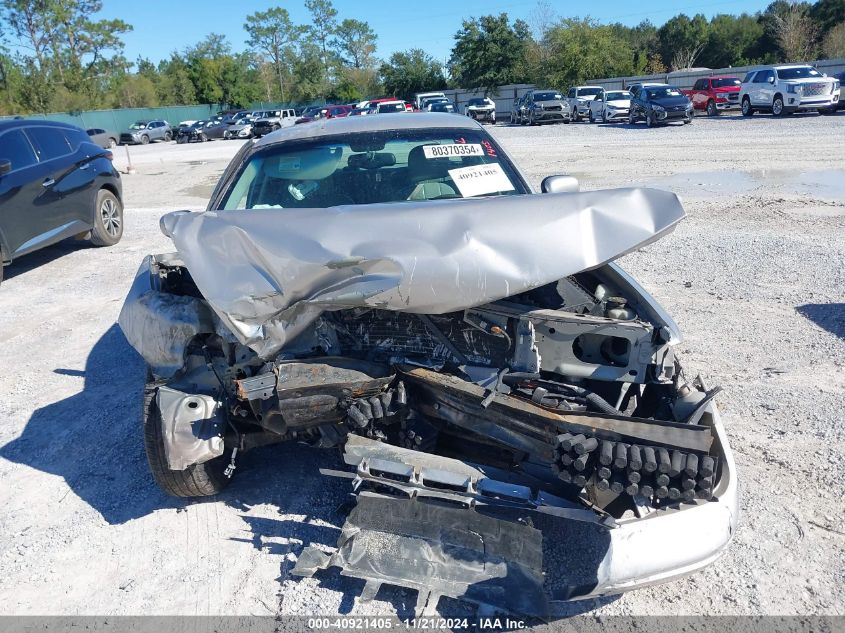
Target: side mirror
[(771, 80), (560, 184), (5, 166)]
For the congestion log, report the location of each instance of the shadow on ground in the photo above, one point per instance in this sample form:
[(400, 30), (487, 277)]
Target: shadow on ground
[(44, 256), (829, 316), (93, 441)]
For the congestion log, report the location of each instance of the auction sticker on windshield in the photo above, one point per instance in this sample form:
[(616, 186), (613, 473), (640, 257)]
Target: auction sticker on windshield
[(457, 149), (480, 180)]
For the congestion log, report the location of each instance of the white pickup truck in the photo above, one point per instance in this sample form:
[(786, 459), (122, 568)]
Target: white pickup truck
[(787, 89)]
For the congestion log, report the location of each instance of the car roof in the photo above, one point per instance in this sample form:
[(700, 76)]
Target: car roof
[(358, 124), (721, 77), (579, 87), (18, 123), (786, 66)]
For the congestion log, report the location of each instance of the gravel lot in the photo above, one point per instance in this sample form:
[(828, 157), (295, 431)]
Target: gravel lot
[(755, 277)]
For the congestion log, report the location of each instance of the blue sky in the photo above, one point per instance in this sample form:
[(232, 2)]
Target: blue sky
[(161, 26)]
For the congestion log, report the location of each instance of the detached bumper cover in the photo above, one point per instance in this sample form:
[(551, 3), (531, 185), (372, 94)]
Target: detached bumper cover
[(497, 563)]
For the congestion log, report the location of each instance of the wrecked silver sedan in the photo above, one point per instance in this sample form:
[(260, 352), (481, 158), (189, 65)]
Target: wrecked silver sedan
[(390, 286)]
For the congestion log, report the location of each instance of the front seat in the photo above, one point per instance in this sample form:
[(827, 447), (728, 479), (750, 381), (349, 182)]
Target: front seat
[(427, 176)]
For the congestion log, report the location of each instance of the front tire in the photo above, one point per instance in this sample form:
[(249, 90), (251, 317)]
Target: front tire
[(167, 137), (649, 120), (592, 118), (112, 143), (777, 106), (108, 219), (747, 110), (197, 480), (145, 139), (712, 110)]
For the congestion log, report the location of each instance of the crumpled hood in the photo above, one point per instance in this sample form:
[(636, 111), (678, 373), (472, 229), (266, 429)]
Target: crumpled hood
[(269, 273)]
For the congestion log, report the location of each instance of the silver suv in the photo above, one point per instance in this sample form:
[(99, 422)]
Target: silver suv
[(545, 106), (142, 132)]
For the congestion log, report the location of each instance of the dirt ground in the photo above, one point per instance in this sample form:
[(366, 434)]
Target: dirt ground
[(755, 277)]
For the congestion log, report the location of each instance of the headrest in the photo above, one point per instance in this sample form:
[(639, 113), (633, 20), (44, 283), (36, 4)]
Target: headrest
[(421, 168)]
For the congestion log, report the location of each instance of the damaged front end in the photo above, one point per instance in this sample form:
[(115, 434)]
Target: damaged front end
[(478, 386)]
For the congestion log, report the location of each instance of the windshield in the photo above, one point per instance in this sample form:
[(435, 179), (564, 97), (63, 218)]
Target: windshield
[(138, 125), (442, 107), (803, 72), (391, 107), (373, 167), (547, 96), (725, 83), (477, 102), (663, 93), (588, 92), (618, 96)]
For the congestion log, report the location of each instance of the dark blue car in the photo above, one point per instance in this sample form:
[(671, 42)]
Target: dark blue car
[(659, 104), (55, 183)]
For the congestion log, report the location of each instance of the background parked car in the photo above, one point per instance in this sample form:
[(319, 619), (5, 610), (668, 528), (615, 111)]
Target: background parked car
[(443, 106), (422, 96), (579, 98), (430, 101), (714, 94), (517, 110), (241, 128), (841, 79), (195, 133), (216, 128), (272, 121), (142, 132), (787, 89), (545, 106), (659, 104), (103, 138), (389, 107), (54, 183), (481, 109), (610, 105)]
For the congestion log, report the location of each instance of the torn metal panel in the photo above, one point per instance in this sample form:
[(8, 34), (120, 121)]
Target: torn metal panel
[(526, 426), (192, 426), (439, 551), (159, 325), (270, 273)]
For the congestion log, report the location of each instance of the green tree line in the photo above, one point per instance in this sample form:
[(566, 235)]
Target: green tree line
[(56, 56)]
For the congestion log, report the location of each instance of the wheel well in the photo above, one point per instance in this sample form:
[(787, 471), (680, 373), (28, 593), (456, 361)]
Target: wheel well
[(777, 94), (113, 190)]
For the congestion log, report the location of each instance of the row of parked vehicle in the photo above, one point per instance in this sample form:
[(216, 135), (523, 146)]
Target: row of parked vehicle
[(781, 90)]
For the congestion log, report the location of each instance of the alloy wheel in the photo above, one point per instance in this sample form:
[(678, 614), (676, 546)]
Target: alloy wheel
[(110, 216)]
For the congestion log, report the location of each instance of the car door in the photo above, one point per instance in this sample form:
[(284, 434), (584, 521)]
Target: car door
[(71, 176), (758, 88), (635, 100), (597, 105), (698, 97), (21, 193), (770, 87)]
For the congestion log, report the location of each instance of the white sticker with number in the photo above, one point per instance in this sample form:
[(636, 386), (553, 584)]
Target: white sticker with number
[(480, 180), (456, 149)]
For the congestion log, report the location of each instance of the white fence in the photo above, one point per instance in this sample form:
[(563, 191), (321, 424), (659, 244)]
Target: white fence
[(506, 95)]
